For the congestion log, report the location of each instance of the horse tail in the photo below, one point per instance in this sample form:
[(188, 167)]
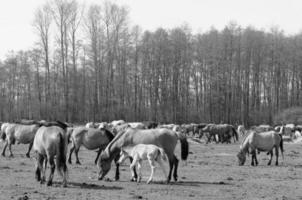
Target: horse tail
[(3, 135), (281, 146), (162, 153), (61, 156), (184, 145)]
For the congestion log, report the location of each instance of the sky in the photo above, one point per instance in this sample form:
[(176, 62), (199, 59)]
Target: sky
[(17, 32)]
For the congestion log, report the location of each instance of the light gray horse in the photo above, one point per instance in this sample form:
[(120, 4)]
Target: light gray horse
[(164, 138), (19, 133), (264, 141), (50, 143)]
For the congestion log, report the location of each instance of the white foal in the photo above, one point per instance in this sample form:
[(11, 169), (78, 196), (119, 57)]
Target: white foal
[(142, 152)]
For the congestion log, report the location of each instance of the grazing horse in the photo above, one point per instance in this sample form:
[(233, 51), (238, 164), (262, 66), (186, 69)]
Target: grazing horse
[(141, 152), (51, 142), (90, 138), (264, 141), (21, 133), (164, 138)]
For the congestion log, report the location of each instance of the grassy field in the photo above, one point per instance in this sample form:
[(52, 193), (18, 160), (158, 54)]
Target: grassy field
[(211, 172)]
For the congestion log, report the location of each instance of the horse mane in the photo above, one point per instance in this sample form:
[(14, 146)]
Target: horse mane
[(116, 138), (246, 135), (108, 134)]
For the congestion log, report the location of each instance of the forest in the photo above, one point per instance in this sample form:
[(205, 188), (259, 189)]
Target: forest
[(90, 63)]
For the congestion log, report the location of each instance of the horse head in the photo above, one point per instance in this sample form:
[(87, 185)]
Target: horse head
[(241, 158)]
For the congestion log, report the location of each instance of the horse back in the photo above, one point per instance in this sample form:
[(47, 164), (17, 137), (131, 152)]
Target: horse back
[(47, 139), (164, 138)]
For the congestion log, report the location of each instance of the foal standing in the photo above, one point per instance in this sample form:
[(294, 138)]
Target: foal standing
[(142, 152)]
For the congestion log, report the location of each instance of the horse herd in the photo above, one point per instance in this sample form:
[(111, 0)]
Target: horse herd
[(118, 140)]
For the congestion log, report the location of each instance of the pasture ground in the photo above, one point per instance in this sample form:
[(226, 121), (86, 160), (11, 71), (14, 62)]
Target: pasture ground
[(211, 172)]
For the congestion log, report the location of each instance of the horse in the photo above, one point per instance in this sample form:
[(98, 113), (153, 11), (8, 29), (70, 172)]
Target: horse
[(117, 123), (21, 133), (51, 142), (150, 124), (224, 132), (141, 152), (137, 125), (164, 138), (264, 141), (91, 125), (90, 138)]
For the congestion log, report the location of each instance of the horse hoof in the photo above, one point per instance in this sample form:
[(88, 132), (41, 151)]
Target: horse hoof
[(27, 155), (133, 179), (3, 155), (49, 183), (78, 163)]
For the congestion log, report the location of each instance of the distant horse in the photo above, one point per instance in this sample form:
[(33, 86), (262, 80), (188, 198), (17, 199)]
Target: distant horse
[(91, 125), (164, 138), (150, 124), (138, 125), (262, 128), (264, 141), (141, 152), (241, 130), (21, 133), (51, 142), (224, 132), (90, 138), (117, 123)]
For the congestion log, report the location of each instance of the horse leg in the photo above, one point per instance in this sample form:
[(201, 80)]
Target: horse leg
[(98, 155), (176, 161), (10, 150), (52, 170), (256, 161), (4, 148), (171, 164), (161, 164), (134, 178), (76, 151), (43, 179), (139, 168), (270, 160), (277, 154), (152, 166), (29, 148), (132, 166), (253, 157), (117, 170), (70, 153), (39, 162)]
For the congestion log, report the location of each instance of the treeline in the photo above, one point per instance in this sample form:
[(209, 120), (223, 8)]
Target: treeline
[(90, 64)]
